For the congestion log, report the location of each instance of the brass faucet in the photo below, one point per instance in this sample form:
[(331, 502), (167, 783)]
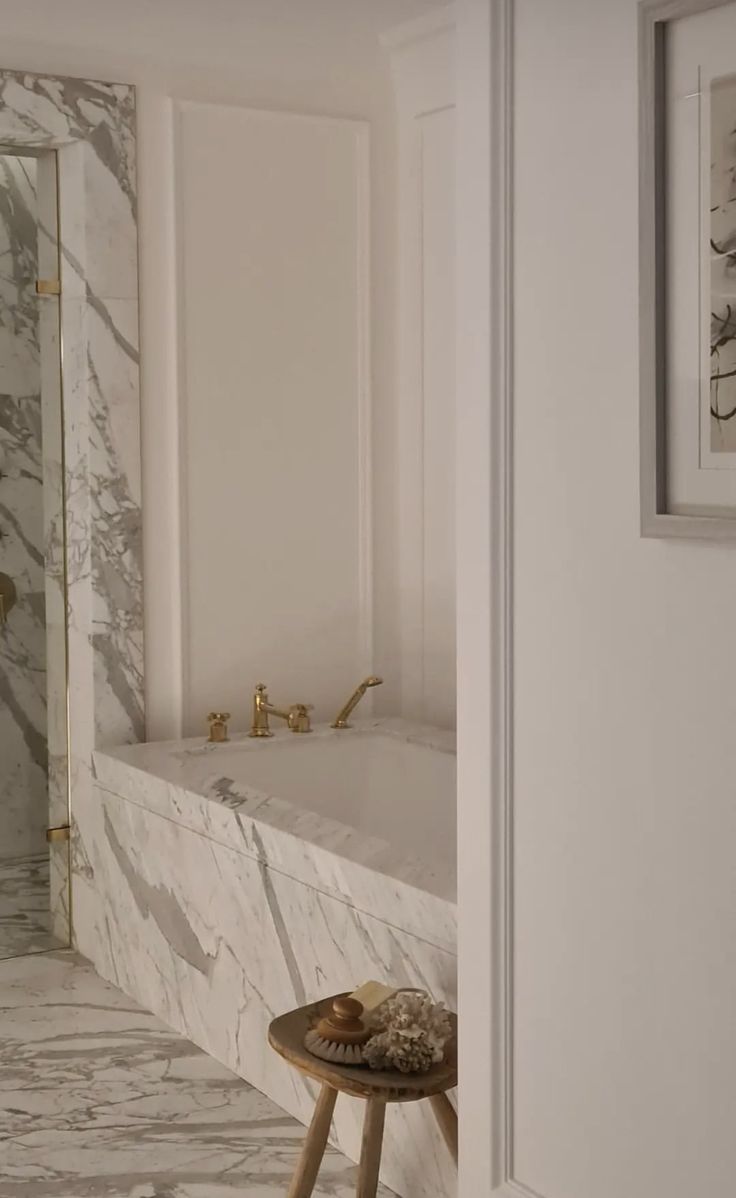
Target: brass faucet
[(341, 719), (296, 716)]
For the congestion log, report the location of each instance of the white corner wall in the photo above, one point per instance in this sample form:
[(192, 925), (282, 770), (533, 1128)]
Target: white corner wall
[(321, 59), (624, 890)]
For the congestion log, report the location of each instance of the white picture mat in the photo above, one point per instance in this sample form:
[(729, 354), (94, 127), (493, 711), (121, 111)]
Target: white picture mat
[(700, 49), (710, 459)]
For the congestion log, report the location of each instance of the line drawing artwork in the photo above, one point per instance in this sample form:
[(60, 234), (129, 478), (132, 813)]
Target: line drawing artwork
[(722, 257)]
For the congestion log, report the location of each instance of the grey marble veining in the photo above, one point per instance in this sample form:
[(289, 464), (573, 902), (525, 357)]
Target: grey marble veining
[(99, 1099), (25, 915)]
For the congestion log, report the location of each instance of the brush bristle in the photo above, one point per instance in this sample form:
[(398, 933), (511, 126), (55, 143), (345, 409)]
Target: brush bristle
[(327, 1050)]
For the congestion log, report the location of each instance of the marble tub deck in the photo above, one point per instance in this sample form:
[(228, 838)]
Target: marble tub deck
[(25, 916), (99, 1099)]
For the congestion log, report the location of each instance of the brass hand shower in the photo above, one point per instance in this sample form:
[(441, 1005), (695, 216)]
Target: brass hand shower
[(341, 719)]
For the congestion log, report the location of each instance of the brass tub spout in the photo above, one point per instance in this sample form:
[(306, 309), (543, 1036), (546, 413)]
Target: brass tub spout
[(296, 716)]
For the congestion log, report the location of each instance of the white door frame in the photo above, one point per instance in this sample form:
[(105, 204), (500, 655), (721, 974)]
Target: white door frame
[(484, 444)]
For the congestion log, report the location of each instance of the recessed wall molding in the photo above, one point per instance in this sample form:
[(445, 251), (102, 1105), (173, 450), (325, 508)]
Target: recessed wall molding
[(423, 67), (273, 284)]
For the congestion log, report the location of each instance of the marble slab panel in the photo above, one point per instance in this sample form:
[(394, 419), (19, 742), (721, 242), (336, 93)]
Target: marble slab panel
[(99, 1098), (217, 943), (91, 126), (99, 231)]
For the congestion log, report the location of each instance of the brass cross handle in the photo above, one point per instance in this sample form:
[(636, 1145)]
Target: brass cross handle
[(8, 597), (218, 726)]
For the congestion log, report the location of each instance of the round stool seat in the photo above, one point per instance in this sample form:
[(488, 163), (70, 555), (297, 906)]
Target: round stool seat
[(286, 1035), (378, 1087)]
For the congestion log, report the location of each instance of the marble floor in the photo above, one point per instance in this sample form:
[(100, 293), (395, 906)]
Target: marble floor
[(99, 1099), (24, 906)]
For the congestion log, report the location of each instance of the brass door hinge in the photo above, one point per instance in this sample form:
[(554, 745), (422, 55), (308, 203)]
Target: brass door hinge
[(48, 287), (56, 835)]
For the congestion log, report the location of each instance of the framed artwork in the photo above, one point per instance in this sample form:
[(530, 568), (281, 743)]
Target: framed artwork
[(688, 267)]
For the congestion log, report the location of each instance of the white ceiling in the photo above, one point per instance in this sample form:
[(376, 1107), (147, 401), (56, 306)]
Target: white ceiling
[(49, 20)]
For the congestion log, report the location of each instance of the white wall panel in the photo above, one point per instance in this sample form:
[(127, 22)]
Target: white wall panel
[(273, 294)]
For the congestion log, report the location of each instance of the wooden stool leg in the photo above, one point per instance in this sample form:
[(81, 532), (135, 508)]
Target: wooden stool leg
[(446, 1117), (310, 1160), (370, 1150)]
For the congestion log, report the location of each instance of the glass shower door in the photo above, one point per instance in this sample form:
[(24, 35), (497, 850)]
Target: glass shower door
[(34, 815)]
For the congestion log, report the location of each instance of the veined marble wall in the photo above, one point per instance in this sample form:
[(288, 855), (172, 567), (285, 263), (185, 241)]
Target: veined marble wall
[(23, 738), (92, 127)]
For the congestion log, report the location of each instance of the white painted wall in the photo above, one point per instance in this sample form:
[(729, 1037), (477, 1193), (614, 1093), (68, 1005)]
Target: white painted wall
[(321, 57), (623, 989)]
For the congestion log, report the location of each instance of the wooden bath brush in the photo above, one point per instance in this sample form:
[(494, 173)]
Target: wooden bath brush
[(339, 1035)]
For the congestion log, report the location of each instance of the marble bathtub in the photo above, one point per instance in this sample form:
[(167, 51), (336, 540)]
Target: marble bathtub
[(220, 885)]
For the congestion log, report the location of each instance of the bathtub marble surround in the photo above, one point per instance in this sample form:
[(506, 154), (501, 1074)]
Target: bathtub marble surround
[(222, 909), (98, 1097), (173, 778)]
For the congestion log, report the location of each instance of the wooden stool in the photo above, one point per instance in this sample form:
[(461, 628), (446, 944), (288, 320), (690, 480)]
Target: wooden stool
[(286, 1035)]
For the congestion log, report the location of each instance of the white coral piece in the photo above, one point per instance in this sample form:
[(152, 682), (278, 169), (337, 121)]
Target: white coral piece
[(411, 1034)]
